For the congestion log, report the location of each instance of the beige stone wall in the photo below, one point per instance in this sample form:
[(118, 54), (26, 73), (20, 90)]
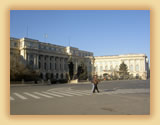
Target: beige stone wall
[(136, 64), (50, 58)]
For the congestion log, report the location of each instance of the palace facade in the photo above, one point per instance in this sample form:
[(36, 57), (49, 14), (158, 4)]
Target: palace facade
[(138, 65), (54, 60), (50, 59)]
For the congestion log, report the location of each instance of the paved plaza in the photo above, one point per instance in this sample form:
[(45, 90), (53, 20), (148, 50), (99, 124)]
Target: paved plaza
[(124, 97)]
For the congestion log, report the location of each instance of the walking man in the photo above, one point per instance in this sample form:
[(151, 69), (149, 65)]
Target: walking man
[(95, 83)]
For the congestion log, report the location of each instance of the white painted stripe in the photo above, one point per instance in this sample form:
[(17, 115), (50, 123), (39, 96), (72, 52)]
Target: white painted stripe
[(61, 93), (72, 93), (55, 89), (20, 96), (86, 92), (34, 96), (41, 94), (53, 94), (80, 92), (11, 98)]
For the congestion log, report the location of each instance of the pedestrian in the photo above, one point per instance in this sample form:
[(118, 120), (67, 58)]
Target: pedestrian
[(95, 84)]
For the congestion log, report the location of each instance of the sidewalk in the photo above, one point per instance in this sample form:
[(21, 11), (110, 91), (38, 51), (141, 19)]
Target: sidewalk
[(28, 84)]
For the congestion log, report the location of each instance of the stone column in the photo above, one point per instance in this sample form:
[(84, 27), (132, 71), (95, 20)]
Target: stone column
[(25, 55), (48, 63), (42, 62), (62, 64), (34, 61), (37, 60), (51, 59), (134, 67), (53, 63), (66, 65), (57, 64), (144, 64), (129, 65)]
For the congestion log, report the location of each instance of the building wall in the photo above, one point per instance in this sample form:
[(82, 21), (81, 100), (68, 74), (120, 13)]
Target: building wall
[(137, 64), (53, 59), (49, 58)]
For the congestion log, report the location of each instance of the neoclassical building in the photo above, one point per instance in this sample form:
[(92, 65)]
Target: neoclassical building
[(51, 59), (55, 60), (137, 64)]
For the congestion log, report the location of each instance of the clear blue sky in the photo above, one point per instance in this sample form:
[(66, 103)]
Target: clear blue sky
[(103, 32)]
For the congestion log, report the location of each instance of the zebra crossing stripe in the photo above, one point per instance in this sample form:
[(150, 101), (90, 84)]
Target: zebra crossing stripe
[(11, 98), (61, 93), (34, 96), (20, 96), (73, 93), (53, 94), (41, 94), (81, 92)]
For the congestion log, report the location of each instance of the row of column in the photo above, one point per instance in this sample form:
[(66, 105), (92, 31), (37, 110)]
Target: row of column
[(141, 65), (47, 63)]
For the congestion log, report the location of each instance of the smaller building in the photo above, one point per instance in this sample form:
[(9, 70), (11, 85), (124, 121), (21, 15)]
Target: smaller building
[(137, 65)]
